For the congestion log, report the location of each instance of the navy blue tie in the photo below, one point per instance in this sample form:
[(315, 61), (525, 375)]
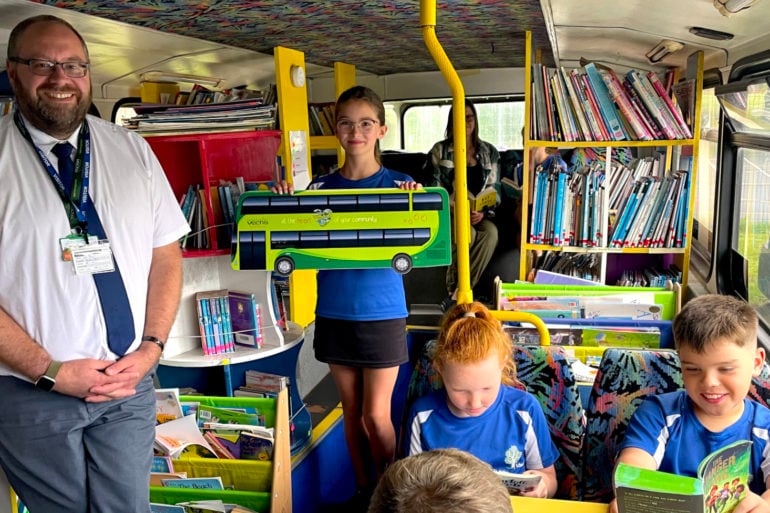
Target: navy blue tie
[(112, 293)]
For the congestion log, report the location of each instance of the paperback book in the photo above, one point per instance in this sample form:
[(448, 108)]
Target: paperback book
[(722, 482), (518, 483)]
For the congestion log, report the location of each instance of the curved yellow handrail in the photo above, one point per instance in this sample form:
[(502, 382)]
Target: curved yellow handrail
[(503, 315), (462, 210)]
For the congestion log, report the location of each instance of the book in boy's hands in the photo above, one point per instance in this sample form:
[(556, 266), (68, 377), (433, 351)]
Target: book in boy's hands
[(487, 198), (518, 483), (722, 482)]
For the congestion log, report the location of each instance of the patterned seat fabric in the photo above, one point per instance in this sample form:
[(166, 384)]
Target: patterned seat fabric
[(546, 374), (760, 386), (624, 379)]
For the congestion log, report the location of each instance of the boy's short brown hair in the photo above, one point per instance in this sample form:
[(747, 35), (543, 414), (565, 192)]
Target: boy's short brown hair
[(440, 481), (711, 317)]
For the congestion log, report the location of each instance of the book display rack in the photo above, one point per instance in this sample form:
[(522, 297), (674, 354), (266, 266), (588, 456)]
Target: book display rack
[(630, 206)]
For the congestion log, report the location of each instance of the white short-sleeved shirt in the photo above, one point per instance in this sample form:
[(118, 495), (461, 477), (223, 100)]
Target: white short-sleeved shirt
[(57, 308)]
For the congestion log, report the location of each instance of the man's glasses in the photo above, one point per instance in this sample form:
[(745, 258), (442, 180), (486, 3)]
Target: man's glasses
[(44, 68), (364, 126)]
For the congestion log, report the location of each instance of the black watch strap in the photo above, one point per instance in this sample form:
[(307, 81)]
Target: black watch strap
[(154, 340)]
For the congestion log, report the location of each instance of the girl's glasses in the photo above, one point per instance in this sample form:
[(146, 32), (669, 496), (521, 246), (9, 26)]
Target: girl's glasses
[(364, 126)]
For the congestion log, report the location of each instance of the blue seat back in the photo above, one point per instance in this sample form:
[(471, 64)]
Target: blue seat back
[(624, 379)]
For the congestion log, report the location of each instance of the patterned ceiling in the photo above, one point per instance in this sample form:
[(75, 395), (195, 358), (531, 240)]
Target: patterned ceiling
[(377, 36)]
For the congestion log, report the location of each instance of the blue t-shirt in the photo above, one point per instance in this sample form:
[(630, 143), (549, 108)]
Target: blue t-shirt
[(512, 434), (361, 294), (665, 426)]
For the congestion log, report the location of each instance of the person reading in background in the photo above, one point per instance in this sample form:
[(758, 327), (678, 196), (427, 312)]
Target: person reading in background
[(80, 337), (440, 481), (479, 410), (716, 338), (482, 161), (360, 326)]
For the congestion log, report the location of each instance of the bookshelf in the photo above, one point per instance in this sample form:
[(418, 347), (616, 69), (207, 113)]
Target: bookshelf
[(612, 258), (206, 158), (183, 363)]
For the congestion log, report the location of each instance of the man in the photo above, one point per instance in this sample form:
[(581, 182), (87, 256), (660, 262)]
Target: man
[(76, 394)]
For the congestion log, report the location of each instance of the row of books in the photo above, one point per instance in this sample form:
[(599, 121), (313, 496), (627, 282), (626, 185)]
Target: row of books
[(640, 306), (224, 201), (249, 114), (583, 266), (654, 214), (321, 119), (207, 431), (650, 277), (595, 104), (646, 208), (200, 94), (226, 318)]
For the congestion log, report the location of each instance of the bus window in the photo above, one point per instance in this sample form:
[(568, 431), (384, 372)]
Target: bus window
[(499, 123), (703, 234), (753, 221)]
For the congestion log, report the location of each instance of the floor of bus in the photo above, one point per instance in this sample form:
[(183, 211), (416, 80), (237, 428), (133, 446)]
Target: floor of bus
[(322, 474)]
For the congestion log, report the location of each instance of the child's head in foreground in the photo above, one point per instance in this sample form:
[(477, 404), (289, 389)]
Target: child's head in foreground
[(440, 481), (474, 356), (716, 338)]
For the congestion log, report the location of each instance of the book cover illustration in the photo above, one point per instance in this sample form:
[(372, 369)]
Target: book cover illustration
[(722, 482), (518, 483), (485, 199), (196, 483), (174, 437), (167, 406)]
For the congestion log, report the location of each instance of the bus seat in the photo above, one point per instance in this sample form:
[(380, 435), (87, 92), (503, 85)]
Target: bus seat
[(759, 390), (546, 374), (625, 377)]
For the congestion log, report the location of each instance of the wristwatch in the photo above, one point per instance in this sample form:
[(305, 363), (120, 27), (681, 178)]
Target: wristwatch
[(47, 381)]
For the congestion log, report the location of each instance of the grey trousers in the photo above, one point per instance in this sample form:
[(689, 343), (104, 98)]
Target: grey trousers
[(483, 241), (64, 455)]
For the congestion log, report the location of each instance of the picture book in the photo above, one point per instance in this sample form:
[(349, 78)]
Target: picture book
[(165, 508), (156, 478), (167, 406), (245, 318), (518, 483), (487, 198), (196, 483), (721, 483), (256, 446), (207, 413), (176, 436), (162, 464), (213, 506)]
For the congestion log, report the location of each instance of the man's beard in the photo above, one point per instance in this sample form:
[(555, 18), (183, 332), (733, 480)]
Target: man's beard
[(56, 120)]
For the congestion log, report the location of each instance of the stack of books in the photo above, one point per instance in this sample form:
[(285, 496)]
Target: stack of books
[(227, 318), (595, 104)]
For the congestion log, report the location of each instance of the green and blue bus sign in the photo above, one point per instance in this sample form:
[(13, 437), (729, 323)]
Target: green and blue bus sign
[(342, 229)]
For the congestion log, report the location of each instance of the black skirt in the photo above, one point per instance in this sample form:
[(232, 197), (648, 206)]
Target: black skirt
[(371, 344)]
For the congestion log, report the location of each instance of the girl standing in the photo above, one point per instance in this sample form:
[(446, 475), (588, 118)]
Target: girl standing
[(360, 327)]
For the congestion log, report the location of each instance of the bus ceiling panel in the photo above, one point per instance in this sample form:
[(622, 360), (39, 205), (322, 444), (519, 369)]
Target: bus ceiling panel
[(623, 32)]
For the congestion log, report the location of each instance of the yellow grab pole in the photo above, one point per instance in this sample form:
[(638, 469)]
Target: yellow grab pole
[(461, 208)]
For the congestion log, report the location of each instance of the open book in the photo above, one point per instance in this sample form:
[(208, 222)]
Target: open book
[(518, 483), (487, 198), (721, 483)]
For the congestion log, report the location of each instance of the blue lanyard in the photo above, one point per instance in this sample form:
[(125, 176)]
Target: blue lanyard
[(77, 202)]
